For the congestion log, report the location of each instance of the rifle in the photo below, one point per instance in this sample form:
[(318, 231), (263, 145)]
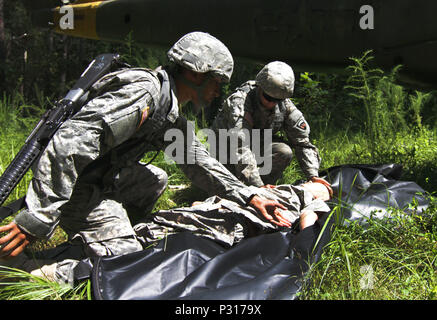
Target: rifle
[(47, 127)]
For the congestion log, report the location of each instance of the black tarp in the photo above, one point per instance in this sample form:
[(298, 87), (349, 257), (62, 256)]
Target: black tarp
[(268, 266)]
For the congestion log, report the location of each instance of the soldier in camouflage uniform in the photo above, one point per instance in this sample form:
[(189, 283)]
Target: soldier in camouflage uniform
[(90, 176), (227, 222), (265, 104)]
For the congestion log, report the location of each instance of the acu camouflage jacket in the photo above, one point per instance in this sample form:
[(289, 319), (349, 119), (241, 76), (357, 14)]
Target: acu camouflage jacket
[(242, 110), (126, 115)]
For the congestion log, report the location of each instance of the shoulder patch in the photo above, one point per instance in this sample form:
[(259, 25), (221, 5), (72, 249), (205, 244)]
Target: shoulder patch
[(302, 124)]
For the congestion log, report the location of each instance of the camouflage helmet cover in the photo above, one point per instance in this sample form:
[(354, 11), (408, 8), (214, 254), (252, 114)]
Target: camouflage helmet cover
[(276, 79), (201, 52)]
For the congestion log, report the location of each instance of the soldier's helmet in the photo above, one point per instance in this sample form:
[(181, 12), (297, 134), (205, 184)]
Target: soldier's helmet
[(276, 79), (203, 53)]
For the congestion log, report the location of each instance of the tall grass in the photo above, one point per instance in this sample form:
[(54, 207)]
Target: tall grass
[(388, 110), (386, 124), (16, 122), (387, 259), (393, 258), (19, 285)]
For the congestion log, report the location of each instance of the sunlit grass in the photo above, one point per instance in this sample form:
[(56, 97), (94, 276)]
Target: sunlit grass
[(388, 259), (19, 285), (396, 257)]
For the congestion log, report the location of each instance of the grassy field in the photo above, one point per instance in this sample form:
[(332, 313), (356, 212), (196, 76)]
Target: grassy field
[(388, 259)]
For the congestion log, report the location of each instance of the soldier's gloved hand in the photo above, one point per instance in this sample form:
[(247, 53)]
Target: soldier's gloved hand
[(324, 182), (14, 242), (269, 210)]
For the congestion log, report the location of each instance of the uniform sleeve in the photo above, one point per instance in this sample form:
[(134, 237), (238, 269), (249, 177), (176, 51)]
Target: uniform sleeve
[(231, 113), (208, 173), (234, 115), (298, 132), (103, 123)]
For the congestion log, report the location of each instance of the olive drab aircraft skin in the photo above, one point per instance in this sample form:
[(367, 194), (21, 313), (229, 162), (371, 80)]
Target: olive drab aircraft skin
[(310, 35)]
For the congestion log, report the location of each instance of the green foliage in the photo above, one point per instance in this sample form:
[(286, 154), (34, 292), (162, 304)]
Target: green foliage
[(19, 285), (363, 117), (390, 112), (388, 259), (367, 118), (381, 98), (16, 122)]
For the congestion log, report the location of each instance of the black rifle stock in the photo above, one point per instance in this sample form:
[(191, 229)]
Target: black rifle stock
[(50, 123)]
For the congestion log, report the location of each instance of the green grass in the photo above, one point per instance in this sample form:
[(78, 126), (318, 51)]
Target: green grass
[(19, 285), (388, 259), (400, 252)]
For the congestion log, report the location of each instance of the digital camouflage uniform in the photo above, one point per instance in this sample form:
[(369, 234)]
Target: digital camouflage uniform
[(227, 222), (242, 110), (90, 176)]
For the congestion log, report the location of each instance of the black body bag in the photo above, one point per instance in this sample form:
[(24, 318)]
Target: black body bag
[(269, 266)]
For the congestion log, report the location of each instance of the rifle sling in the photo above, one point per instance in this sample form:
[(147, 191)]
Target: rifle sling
[(11, 208)]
